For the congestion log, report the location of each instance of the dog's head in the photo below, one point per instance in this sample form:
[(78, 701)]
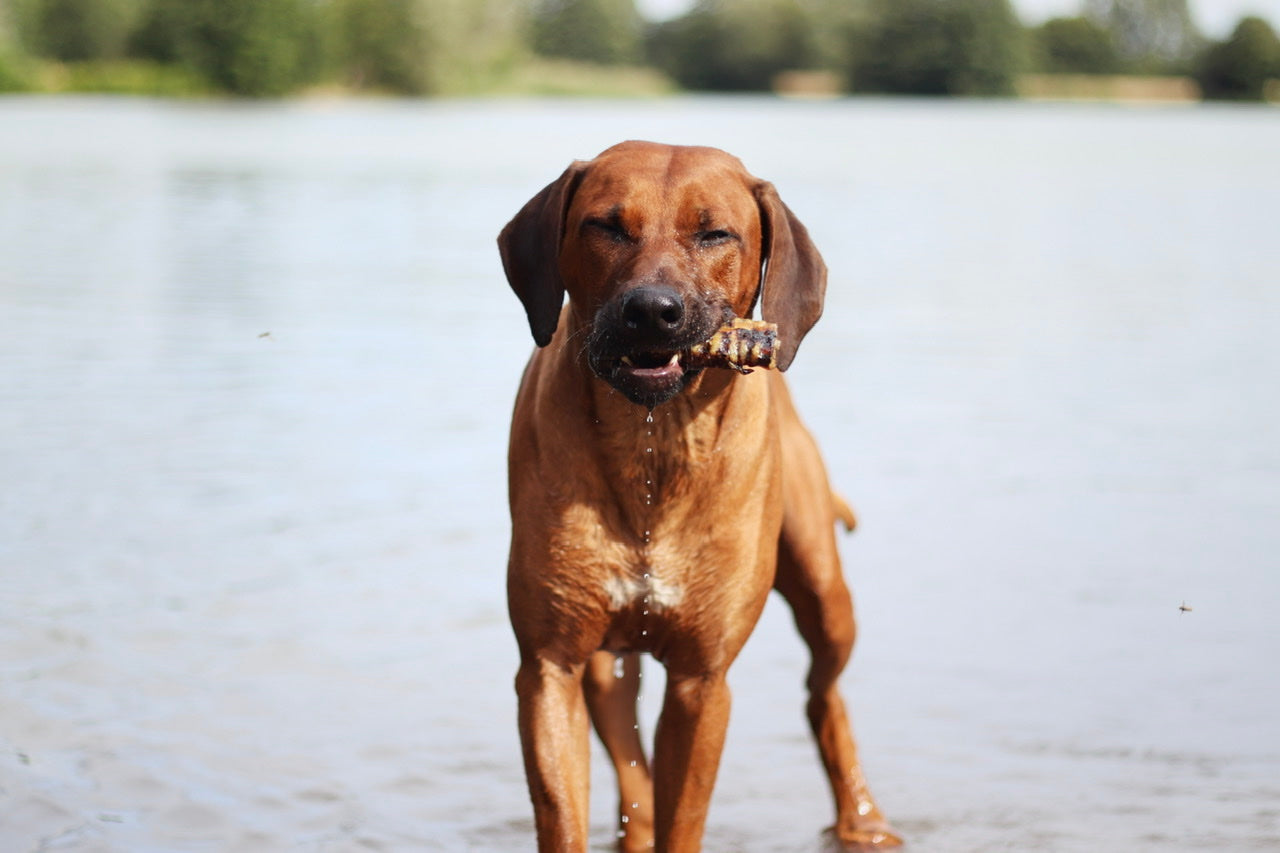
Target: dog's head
[(657, 246)]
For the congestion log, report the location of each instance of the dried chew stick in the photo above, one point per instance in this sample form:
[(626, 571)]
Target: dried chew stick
[(740, 345)]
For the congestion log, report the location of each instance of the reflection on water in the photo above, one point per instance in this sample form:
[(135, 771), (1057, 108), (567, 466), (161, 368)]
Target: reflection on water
[(257, 367)]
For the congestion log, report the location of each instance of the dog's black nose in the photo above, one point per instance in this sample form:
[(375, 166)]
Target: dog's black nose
[(653, 310)]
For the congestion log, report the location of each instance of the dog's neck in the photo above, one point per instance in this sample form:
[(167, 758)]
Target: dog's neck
[(655, 460), (671, 447), (679, 439)]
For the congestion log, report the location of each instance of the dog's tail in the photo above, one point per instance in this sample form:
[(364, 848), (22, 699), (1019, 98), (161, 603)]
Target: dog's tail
[(844, 513)]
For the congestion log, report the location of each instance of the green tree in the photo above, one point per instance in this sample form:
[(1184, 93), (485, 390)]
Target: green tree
[(12, 79), (472, 42), (76, 30), (607, 32), (938, 47), (12, 76), (1151, 36), (1075, 46), (735, 46), (382, 44), (1239, 68), (247, 47)]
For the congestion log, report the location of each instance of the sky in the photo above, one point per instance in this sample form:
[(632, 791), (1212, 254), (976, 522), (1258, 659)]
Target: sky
[(1216, 18)]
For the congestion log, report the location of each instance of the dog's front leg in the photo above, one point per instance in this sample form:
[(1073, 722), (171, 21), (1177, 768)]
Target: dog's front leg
[(688, 743), (555, 737)]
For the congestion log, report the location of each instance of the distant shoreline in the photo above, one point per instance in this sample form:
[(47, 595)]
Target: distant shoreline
[(1108, 87), (563, 78)]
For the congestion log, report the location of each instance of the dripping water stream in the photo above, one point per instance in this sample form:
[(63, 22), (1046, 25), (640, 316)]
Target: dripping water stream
[(619, 665)]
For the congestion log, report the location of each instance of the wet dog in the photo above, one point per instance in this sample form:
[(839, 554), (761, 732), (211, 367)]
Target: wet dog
[(654, 505)]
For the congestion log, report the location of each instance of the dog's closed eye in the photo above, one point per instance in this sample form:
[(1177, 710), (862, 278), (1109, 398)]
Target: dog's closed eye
[(611, 228), (715, 237)]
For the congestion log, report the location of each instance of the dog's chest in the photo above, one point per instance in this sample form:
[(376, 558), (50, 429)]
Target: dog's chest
[(649, 590)]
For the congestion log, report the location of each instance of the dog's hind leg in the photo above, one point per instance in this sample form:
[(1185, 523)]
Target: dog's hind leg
[(811, 580), (612, 686), (814, 588)]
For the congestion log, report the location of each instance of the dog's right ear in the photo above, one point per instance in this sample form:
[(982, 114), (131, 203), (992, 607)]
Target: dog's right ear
[(530, 248)]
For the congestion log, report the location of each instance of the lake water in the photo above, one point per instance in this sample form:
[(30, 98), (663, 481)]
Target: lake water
[(256, 368)]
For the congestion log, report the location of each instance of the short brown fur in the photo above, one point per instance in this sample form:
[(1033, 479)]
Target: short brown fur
[(664, 532)]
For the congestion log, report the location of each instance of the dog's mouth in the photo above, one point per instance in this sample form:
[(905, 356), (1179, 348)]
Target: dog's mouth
[(654, 365), (647, 374), (647, 378), (648, 366)]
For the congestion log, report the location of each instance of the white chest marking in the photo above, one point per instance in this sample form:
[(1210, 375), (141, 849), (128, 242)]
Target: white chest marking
[(650, 590)]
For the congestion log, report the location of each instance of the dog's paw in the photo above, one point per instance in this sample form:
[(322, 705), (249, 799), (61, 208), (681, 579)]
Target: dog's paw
[(863, 839)]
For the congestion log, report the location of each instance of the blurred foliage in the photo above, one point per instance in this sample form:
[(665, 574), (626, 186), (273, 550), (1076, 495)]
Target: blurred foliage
[(14, 75), (1238, 69), (270, 48), (560, 77), (124, 77), (381, 45), (939, 47), (606, 32), (473, 43), (247, 47), (1151, 36), (1077, 45), (735, 46), (73, 30)]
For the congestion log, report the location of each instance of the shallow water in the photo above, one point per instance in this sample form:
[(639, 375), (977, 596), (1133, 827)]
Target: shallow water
[(256, 367)]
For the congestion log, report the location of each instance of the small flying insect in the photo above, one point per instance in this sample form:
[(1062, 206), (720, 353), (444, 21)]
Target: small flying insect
[(1184, 607)]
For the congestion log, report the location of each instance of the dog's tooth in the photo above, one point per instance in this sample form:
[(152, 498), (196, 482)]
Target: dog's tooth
[(626, 359), (675, 360)]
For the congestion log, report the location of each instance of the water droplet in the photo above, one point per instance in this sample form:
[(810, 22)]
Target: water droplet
[(864, 807), (625, 819), (619, 667), (648, 450), (649, 419), (633, 764), (635, 805)]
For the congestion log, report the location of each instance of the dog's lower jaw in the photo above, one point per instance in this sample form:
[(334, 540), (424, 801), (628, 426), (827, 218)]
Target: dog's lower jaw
[(648, 387), (649, 396)]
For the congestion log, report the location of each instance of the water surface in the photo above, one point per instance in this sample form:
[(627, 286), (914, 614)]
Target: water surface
[(256, 367)]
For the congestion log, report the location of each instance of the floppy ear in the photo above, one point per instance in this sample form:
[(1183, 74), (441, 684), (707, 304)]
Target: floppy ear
[(795, 278), (530, 248)]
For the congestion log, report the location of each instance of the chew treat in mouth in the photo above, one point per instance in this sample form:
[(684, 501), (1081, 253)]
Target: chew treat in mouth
[(741, 345)]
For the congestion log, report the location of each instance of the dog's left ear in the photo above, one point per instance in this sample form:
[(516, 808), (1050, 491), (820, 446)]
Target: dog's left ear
[(795, 278), (530, 249)]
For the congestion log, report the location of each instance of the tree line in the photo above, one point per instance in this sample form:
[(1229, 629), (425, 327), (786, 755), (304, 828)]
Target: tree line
[(427, 47)]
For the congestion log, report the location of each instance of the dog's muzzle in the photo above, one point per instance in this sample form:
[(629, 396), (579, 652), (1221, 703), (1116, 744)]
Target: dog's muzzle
[(638, 340)]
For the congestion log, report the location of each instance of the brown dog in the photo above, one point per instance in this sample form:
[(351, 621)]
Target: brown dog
[(654, 506)]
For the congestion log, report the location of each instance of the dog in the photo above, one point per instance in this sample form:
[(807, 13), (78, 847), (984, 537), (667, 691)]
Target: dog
[(655, 505)]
